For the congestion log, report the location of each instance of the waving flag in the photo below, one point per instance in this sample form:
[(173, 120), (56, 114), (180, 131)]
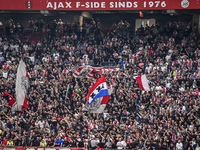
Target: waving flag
[(108, 70), (99, 89), (87, 71), (143, 83), (22, 84), (9, 98), (99, 104), (141, 14)]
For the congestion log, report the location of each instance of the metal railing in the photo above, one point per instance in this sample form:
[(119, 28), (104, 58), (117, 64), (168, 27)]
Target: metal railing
[(39, 148)]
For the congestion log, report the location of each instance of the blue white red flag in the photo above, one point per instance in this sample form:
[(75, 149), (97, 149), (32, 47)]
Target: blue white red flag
[(99, 104), (99, 89)]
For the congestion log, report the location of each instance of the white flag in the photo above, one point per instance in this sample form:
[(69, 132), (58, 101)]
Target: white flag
[(22, 83)]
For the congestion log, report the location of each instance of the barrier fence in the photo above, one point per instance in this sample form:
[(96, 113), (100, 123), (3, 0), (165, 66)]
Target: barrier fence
[(40, 148)]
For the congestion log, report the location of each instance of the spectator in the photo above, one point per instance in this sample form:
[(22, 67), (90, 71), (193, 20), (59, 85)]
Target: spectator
[(31, 23), (93, 143), (121, 144), (169, 112), (198, 147), (36, 142), (59, 142), (108, 144), (28, 142), (179, 145), (4, 142), (65, 142), (10, 143), (1, 57), (50, 142), (43, 143)]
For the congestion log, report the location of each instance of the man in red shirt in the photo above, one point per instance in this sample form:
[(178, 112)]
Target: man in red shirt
[(4, 142)]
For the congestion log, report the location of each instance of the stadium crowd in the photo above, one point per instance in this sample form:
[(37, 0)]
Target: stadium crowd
[(165, 118)]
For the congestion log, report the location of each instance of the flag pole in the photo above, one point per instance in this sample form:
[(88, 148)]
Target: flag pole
[(67, 90)]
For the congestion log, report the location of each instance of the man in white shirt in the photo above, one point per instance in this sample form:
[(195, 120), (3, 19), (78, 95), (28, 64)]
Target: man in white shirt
[(156, 67), (5, 46), (5, 74), (163, 68), (94, 143), (12, 46), (17, 47), (158, 89), (36, 123), (3, 124), (148, 68), (41, 123), (105, 115), (179, 145), (181, 89), (168, 84), (121, 144), (25, 46), (168, 56), (32, 57), (56, 55)]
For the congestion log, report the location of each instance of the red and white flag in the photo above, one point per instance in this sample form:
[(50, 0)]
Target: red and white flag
[(141, 14), (109, 70), (143, 82), (22, 83), (99, 89), (10, 99), (86, 71)]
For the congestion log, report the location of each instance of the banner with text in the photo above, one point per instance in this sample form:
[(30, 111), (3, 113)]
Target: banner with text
[(98, 4)]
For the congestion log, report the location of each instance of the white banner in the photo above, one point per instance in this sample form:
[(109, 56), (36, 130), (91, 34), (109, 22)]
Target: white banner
[(21, 88), (9, 149)]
